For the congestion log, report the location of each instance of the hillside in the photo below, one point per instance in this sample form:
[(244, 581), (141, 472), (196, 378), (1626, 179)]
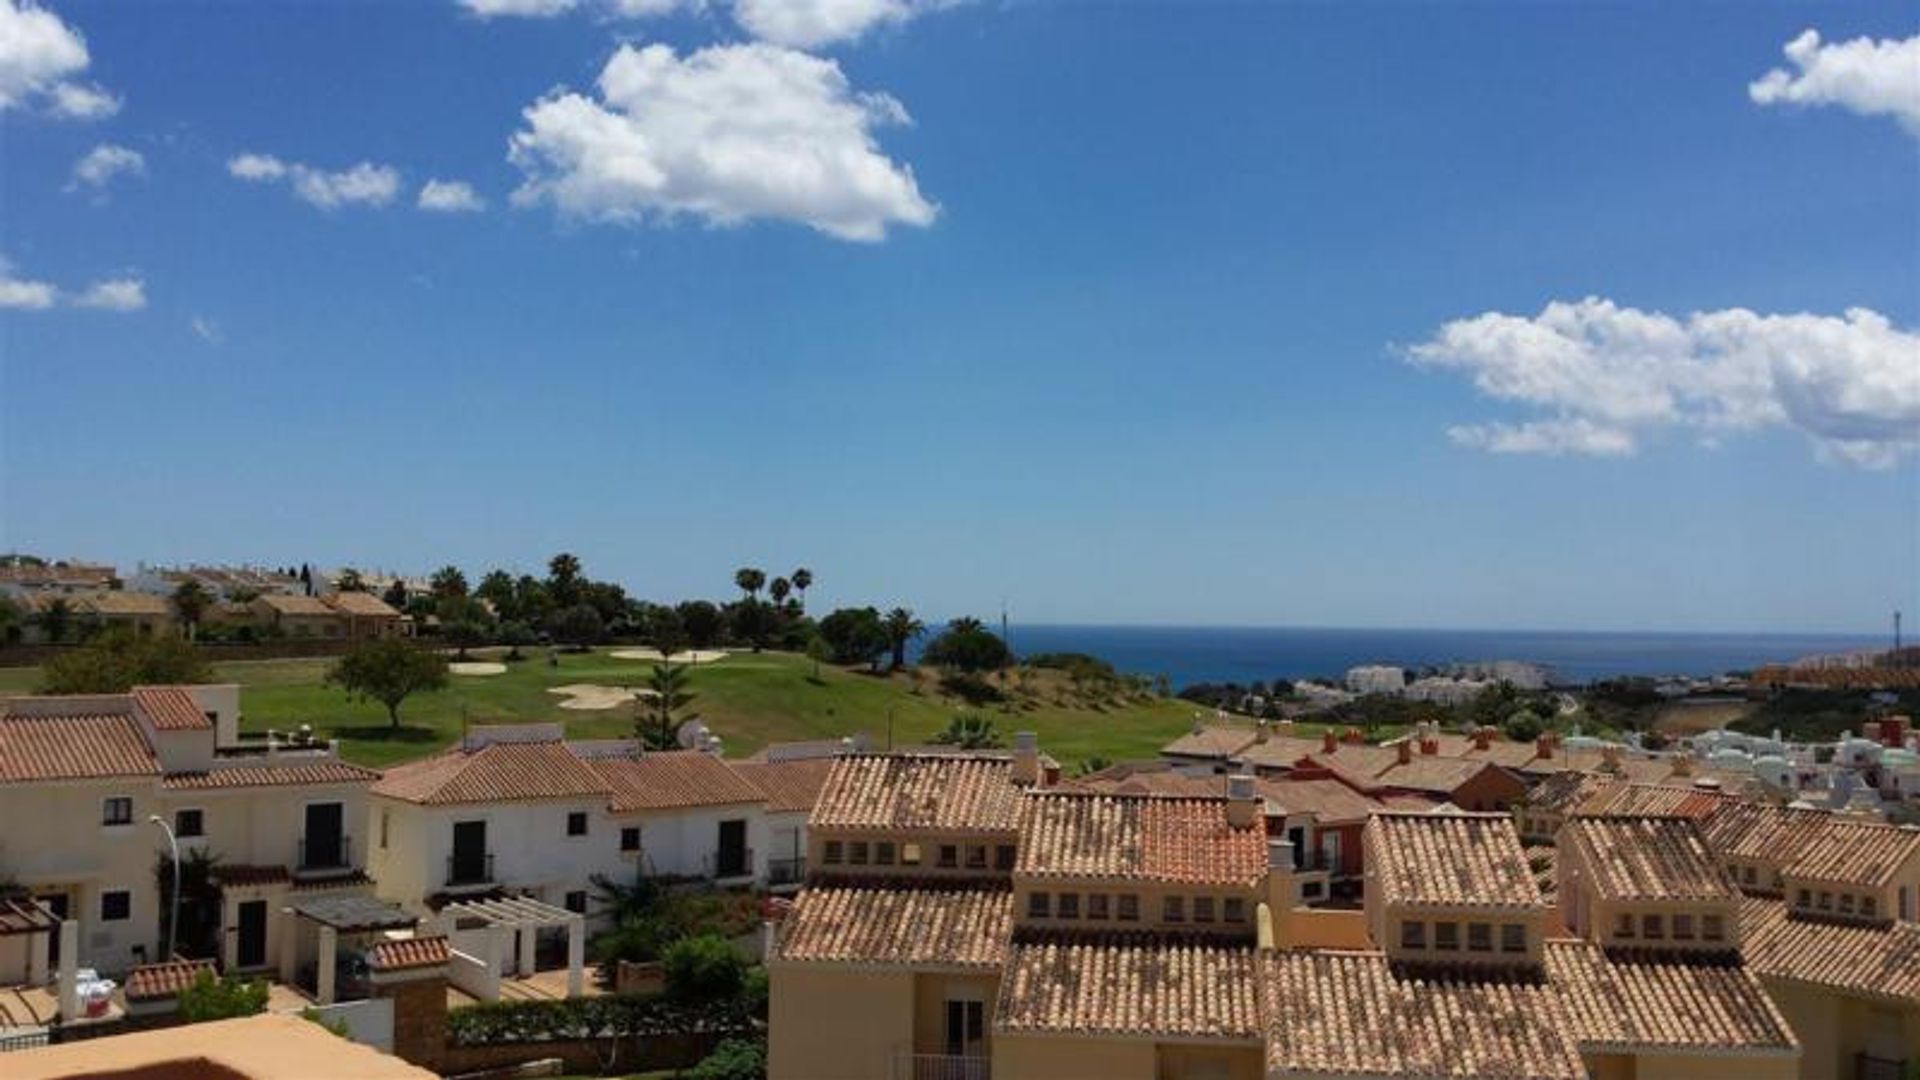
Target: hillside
[(748, 699)]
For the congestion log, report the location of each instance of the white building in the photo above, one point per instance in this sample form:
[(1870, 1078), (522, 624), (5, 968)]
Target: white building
[(1376, 679)]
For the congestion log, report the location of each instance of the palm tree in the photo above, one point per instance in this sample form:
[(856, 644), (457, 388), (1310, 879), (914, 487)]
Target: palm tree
[(350, 581), (55, 619), (969, 731), (802, 581), (660, 717), (779, 590), (191, 600), (901, 628), (750, 580)]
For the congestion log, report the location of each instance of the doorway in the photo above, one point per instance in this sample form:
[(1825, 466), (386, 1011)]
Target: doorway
[(252, 951)]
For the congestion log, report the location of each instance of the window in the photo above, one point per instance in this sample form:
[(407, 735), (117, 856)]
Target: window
[(385, 820), (833, 854), (1203, 909), (1513, 937), (577, 823), (1310, 890), (1446, 935), (1682, 927), (949, 856), (1173, 909), (1234, 910), (1826, 900), (857, 853), (1069, 906), (976, 857), (1805, 899), (116, 905), (909, 854), (1867, 906), (1846, 903), (1713, 928), (1003, 857), (1750, 876), (630, 839), (576, 902), (1097, 906), (1652, 927), (1413, 935), (117, 810), (883, 853), (1624, 926), (189, 823), (1479, 937), (1039, 906), (1129, 907)]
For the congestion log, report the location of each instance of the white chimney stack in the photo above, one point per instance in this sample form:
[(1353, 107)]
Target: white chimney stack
[(1026, 759), (1243, 803)]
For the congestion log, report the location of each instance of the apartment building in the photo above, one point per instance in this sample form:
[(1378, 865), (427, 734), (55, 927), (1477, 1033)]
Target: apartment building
[(83, 780)]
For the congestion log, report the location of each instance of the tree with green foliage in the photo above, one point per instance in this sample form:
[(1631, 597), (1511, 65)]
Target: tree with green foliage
[(199, 935), (663, 711), (1090, 765), (733, 1059), (350, 581), (750, 580), (12, 621), (388, 670), (901, 628), (856, 635), (464, 622), (704, 968), (447, 581), (190, 602), (779, 589), (496, 588), (664, 630), (578, 626), (222, 997), (55, 619), (802, 581), (967, 645), (969, 731), (119, 660), (752, 622), (704, 623), (396, 595), (563, 579), (516, 636), (819, 652)]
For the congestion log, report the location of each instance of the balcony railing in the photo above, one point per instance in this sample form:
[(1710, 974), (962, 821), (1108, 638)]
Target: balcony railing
[(470, 869), (1868, 1067), (1310, 862), (787, 871), (730, 864), (941, 1067), (330, 854)]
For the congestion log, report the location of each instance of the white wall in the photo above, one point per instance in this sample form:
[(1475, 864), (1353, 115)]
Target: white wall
[(53, 841), (369, 1021)]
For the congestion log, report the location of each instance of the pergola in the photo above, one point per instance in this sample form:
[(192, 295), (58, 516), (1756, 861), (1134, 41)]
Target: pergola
[(524, 916), (333, 916), (24, 915)]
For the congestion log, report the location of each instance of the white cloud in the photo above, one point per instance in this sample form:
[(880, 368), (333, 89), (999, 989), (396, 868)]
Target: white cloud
[(206, 329), (809, 24), (1606, 376), (106, 161), (535, 9), (114, 294), (364, 184), (730, 133), (39, 55), (450, 196), (1869, 77), (23, 294)]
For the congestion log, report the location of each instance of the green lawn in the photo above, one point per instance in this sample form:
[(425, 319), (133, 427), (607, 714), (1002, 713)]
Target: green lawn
[(748, 699)]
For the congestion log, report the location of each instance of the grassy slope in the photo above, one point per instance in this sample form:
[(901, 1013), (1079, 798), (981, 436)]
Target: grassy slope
[(749, 700)]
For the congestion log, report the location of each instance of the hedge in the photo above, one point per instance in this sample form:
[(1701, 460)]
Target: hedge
[(495, 1022)]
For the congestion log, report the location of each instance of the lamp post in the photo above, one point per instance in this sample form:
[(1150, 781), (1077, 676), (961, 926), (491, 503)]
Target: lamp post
[(173, 919)]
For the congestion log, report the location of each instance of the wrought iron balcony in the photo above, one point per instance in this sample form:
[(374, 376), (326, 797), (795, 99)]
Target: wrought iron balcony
[(941, 1067), (329, 853), (730, 864), (470, 869), (787, 871)]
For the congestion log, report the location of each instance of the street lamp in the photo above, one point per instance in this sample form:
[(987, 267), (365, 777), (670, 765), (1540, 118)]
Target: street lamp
[(173, 920)]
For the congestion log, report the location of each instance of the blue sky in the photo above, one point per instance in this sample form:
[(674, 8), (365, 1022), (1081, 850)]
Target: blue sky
[(1120, 312)]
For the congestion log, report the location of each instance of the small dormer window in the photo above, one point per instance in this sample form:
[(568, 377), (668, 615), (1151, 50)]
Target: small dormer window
[(1805, 899), (1413, 934), (1003, 857), (976, 857), (1173, 909), (1479, 937), (1446, 936), (1069, 906), (857, 853), (1623, 926), (1129, 907), (1713, 928), (1846, 903), (1750, 876), (1233, 910), (949, 857), (833, 851), (1039, 905), (1653, 927), (1826, 900), (1683, 927), (883, 853), (1868, 906), (1513, 937), (1098, 906)]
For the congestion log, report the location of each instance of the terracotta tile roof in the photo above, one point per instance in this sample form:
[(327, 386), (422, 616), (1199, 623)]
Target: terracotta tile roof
[(1130, 985), (171, 708), (1855, 852), (357, 880), (361, 605), (1138, 838), (918, 792), (1450, 859), (1566, 791), (1751, 830), (1617, 1003), (789, 786), (1880, 961), (78, 747), (672, 779), (496, 772), (241, 876), (296, 604), (1282, 751), (405, 953), (1350, 1014), (1648, 858), (283, 774), (166, 980), (117, 602), (1634, 799), (1212, 741), (902, 924), (1425, 773), (1153, 780)]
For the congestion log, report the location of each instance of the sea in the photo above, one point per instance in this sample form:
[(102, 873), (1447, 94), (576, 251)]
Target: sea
[(1197, 654)]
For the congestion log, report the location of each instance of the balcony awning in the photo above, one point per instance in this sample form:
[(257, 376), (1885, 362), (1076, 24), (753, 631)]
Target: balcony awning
[(25, 915), (351, 914), (517, 911)]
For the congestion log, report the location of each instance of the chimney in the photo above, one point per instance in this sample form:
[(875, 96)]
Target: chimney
[(1405, 746), (1026, 759), (1482, 738), (1610, 758), (1328, 742), (1544, 745), (1353, 737), (1243, 804), (1278, 933), (1259, 731), (1683, 764), (1198, 725), (1430, 746)]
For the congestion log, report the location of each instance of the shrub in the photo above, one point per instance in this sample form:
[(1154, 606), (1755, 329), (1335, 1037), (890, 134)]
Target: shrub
[(222, 998), (733, 1059), (497, 1022), (704, 968)]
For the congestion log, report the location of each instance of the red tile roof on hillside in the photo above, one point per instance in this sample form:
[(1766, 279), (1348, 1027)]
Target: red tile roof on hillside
[(296, 604), (150, 981), (407, 953), (280, 774), (1279, 751), (1329, 801), (1139, 838), (918, 792), (789, 786), (171, 708), (1212, 742), (667, 780), (1854, 852), (1350, 1014), (1567, 791), (116, 602), (1752, 830), (1450, 860), (1131, 984), (496, 772), (362, 605), (1641, 1005), (1878, 961), (901, 924), (77, 747), (1634, 799), (1648, 858)]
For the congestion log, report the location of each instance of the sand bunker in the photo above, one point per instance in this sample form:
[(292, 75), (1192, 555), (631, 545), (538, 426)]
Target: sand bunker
[(691, 656), (593, 696), (477, 667)]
